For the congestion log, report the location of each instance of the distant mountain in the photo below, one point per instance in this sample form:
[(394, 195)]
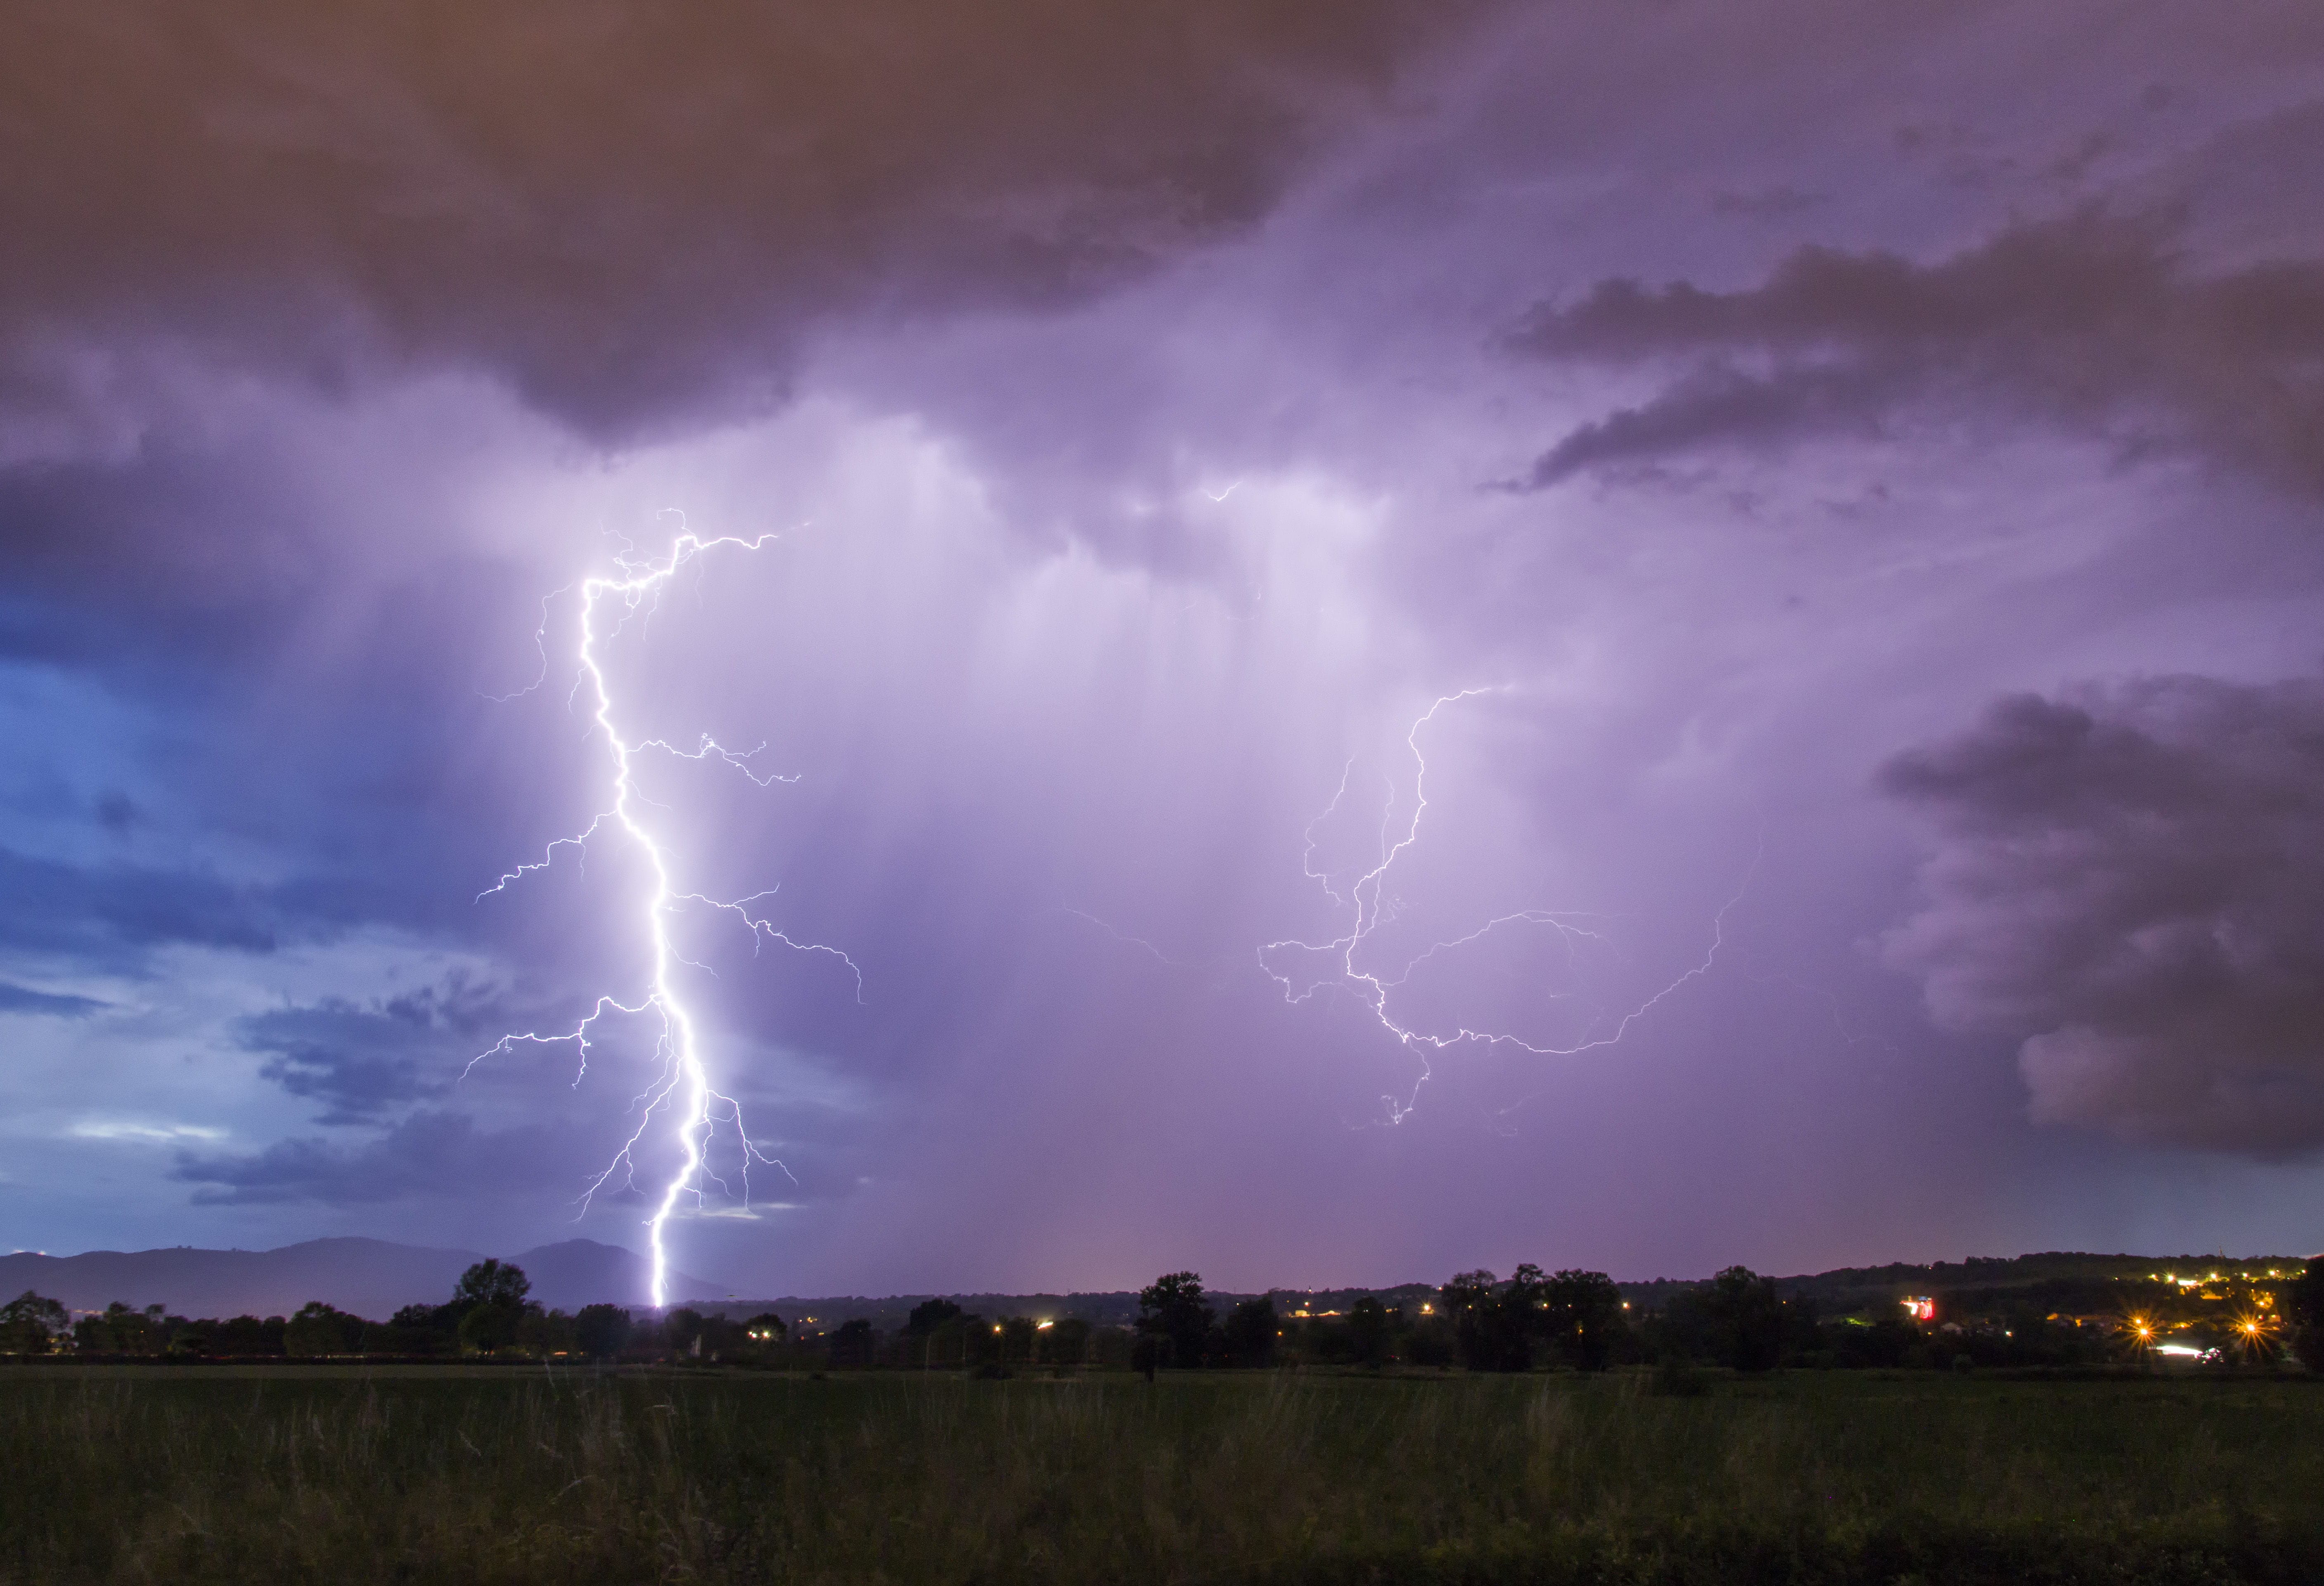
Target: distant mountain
[(369, 1276), (581, 1272)]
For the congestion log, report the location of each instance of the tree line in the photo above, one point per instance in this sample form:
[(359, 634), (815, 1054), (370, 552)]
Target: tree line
[(1577, 1320), (490, 1313), (1572, 1319)]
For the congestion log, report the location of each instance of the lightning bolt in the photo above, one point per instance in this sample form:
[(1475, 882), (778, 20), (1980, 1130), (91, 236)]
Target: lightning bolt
[(1370, 907), (681, 1085)]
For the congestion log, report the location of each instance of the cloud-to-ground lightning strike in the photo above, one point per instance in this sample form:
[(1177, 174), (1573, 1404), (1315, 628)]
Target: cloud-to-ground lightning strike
[(1367, 900), (699, 1108)]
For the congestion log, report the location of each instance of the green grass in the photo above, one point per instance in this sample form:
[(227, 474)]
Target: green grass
[(354, 1475)]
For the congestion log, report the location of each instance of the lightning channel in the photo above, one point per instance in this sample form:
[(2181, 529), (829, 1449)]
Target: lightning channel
[(681, 1089), (1371, 906)]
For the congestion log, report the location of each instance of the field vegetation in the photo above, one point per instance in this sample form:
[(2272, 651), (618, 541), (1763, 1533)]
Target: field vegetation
[(1532, 1429), (359, 1474)]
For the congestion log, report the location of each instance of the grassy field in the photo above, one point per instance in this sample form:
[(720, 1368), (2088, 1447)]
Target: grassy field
[(354, 1475)]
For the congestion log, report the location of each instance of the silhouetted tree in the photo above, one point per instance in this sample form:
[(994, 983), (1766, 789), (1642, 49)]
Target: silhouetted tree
[(1886, 1341), (956, 1341), (1468, 1302), (121, 1331), (1492, 1322), (1520, 1322), (1748, 1320), (1428, 1341), (1369, 1323), (248, 1335), (721, 1336), (852, 1343), (2302, 1308), (487, 1329), (1172, 1306), (320, 1329), (1324, 1341), (193, 1337), (492, 1283), (1251, 1328), (545, 1332), (416, 1329), (928, 1315), (1065, 1342), (31, 1324), (487, 1307), (681, 1330), (444, 1318), (601, 1331), (1151, 1351), (1582, 1317), (1016, 1341)]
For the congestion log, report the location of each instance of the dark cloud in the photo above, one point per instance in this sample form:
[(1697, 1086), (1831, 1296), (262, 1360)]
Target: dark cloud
[(109, 916), (1775, 203), (117, 812), (112, 915), (361, 1060), (2096, 323), (2132, 880), (437, 1154), (627, 209), (429, 1153), (170, 568), (14, 998)]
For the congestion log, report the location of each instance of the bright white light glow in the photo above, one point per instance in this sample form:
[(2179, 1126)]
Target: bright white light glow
[(699, 1108), (166, 1134)]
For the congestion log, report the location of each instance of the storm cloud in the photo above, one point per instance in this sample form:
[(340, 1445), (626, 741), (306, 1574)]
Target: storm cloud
[(2096, 323), (360, 1061), (15, 999), (628, 212), (117, 913), (2132, 880), (429, 1153), (1114, 384)]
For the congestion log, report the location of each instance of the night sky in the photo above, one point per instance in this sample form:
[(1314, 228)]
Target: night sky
[(1867, 460)]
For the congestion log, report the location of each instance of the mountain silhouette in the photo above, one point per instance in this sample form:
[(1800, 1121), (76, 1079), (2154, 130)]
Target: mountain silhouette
[(371, 1277)]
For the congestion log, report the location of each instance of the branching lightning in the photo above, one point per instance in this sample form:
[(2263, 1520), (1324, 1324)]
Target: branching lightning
[(1370, 907), (681, 1085)]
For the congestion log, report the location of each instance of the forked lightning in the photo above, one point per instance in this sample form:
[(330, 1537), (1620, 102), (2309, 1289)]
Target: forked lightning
[(1366, 901), (682, 1081)]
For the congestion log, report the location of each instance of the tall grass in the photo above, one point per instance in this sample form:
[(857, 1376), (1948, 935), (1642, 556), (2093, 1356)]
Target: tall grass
[(377, 1476)]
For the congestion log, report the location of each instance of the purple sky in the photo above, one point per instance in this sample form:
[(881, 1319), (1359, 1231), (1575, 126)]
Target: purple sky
[(1872, 461)]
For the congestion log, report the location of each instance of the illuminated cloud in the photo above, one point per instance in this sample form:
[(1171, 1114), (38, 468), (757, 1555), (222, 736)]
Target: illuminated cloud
[(144, 1132)]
